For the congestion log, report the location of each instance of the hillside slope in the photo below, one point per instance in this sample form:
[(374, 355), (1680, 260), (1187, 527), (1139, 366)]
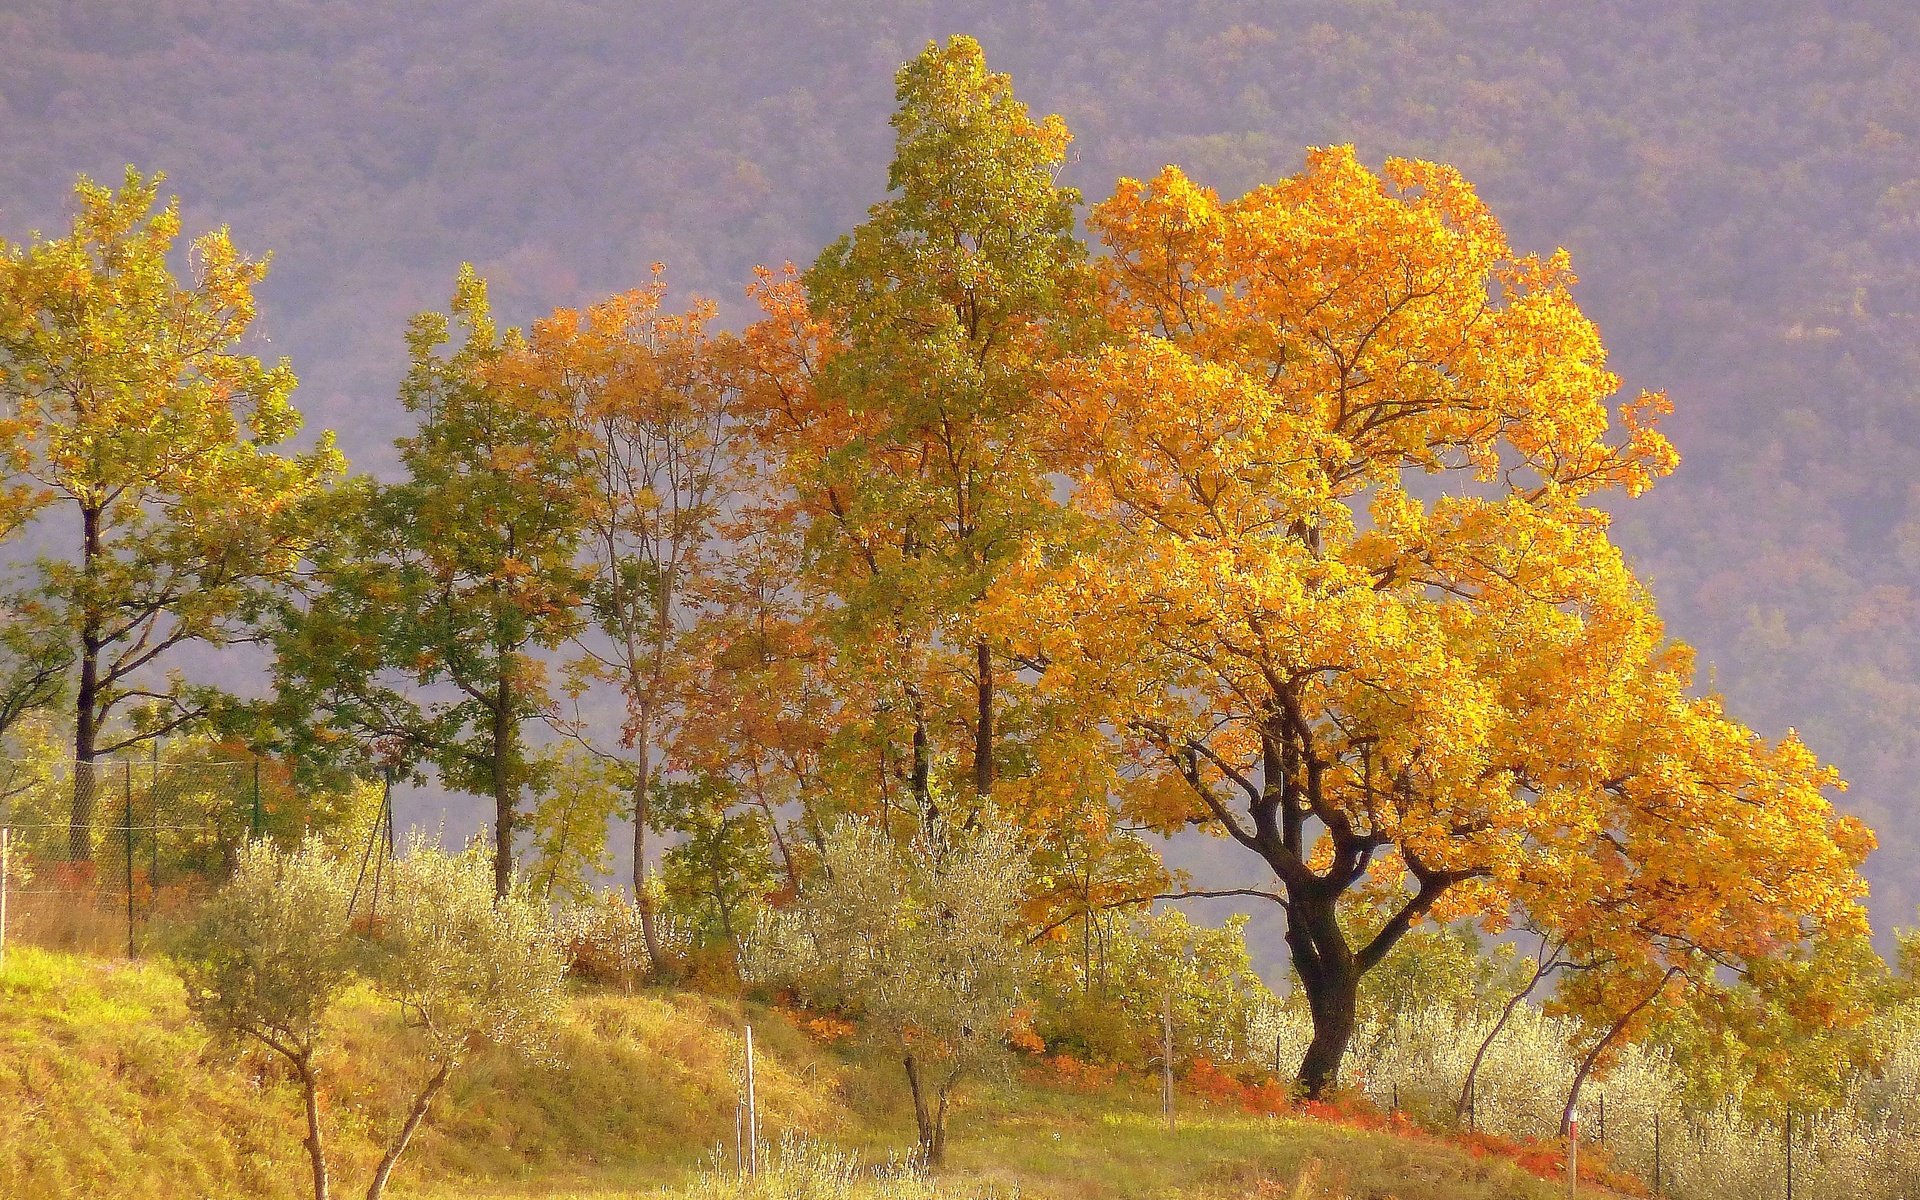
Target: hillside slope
[(106, 1088)]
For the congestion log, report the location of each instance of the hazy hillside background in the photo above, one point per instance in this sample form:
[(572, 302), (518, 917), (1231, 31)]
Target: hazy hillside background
[(1739, 182)]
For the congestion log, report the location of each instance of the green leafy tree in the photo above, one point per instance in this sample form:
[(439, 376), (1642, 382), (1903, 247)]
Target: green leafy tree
[(1108, 1006), (721, 872), (35, 661), (424, 636), (580, 793), (144, 433), (913, 451)]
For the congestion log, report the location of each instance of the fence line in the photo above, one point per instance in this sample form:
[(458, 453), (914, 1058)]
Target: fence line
[(99, 850)]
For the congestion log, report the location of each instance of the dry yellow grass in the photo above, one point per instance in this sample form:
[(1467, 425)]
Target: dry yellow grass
[(106, 1088)]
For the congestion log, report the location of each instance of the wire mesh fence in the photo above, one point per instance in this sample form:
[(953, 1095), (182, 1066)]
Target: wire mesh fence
[(1635, 1123), (97, 853)]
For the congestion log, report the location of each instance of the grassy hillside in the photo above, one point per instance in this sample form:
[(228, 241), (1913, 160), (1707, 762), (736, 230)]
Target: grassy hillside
[(105, 1082)]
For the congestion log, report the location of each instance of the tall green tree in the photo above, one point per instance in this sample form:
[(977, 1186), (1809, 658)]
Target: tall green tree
[(424, 635), (913, 455), (150, 442)]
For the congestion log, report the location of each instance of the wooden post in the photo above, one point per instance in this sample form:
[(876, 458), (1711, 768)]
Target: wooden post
[(753, 1114), (1573, 1155), (1789, 1130)]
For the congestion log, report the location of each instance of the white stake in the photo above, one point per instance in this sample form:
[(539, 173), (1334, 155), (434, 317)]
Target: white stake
[(753, 1114), (6, 868)]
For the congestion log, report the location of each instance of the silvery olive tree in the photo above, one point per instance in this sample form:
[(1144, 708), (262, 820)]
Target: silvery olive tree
[(467, 970), (268, 957), (273, 952), (922, 939)]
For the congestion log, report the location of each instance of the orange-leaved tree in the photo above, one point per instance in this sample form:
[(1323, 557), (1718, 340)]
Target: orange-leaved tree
[(1339, 586), (647, 397)]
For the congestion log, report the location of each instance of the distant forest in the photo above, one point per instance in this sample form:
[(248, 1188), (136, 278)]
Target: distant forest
[(1738, 182)]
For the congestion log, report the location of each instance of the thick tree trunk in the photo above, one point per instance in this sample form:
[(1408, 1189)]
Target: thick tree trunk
[(719, 880), (85, 786), (506, 801), (922, 767), (415, 1115), (983, 723), (1334, 1004), (1330, 979), (932, 1142), (316, 1146), (938, 1156), (923, 774), (86, 704)]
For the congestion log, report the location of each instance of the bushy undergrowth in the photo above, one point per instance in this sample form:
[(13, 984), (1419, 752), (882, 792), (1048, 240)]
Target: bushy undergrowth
[(1865, 1149)]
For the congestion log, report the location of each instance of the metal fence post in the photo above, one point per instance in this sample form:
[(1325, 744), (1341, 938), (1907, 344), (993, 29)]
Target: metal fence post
[(126, 796), (255, 826)]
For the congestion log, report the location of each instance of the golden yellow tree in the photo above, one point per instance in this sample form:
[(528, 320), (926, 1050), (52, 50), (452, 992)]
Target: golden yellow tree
[(1339, 585), (138, 423)]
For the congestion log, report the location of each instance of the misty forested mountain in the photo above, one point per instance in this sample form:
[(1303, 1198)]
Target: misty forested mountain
[(1738, 181)]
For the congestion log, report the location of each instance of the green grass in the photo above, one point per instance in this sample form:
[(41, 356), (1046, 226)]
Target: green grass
[(106, 1088)]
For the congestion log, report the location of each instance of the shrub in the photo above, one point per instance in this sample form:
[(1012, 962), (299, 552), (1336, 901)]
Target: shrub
[(920, 939)]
